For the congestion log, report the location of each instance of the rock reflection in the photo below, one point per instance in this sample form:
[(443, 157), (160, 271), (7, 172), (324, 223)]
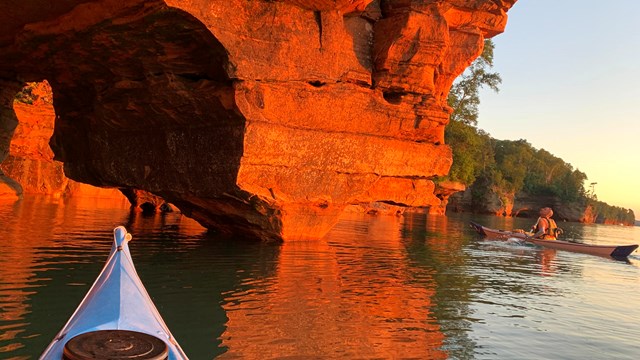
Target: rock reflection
[(435, 245), (353, 294), (40, 237)]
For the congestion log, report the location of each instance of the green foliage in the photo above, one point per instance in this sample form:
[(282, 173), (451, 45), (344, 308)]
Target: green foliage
[(472, 151), (612, 214), (29, 94), (519, 167), (506, 167), (26, 95), (464, 96), (512, 161)]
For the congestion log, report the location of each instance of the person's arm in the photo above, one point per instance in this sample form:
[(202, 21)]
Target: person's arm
[(542, 228)]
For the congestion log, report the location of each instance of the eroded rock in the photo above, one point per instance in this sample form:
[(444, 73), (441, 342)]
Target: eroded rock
[(264, 118)]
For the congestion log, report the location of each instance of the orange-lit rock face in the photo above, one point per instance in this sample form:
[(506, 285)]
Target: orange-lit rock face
[(29, 163), (261, 117), (30, 159)]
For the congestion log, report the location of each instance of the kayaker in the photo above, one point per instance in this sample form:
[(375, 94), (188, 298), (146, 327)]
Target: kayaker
[(546, 228)]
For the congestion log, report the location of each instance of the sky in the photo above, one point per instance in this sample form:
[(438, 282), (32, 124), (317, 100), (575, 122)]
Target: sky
[(571, 85)]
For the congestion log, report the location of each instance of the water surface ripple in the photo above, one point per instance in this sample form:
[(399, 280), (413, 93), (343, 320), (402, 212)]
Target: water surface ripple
[(411, 287)]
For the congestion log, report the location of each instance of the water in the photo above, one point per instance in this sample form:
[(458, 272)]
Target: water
[(411, 287)]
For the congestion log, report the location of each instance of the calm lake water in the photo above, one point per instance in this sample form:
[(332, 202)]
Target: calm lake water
[(414, 287)]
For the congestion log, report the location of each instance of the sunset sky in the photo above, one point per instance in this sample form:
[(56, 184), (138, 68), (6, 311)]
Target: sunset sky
[(571, 85)]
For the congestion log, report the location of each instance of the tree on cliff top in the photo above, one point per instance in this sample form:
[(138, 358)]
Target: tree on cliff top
[(471, 147), (464, 96), (505, 166)]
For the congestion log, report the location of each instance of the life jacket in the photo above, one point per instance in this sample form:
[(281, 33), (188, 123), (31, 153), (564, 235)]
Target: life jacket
[(551, 230)]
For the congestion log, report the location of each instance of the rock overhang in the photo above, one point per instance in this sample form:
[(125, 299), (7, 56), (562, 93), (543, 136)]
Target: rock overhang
[(267, 118)]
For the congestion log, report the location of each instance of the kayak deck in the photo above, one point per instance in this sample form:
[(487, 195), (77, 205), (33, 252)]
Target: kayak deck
[(615, 251), (117, 300)]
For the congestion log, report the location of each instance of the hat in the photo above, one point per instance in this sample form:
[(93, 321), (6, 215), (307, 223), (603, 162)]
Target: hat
[(546, 212)]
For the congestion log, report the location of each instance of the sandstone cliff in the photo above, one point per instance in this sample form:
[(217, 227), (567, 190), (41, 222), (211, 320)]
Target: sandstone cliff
[(266, 118), (522, 204), (29, 164)]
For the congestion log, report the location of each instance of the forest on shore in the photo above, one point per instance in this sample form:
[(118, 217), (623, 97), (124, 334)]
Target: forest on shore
[(505, 169)]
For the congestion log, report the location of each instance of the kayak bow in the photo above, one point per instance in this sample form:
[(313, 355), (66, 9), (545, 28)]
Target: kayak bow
[(615, 251), (116, 310)]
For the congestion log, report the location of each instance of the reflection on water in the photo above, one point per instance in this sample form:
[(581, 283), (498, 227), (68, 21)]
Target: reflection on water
[(374, 287), (351, 295)]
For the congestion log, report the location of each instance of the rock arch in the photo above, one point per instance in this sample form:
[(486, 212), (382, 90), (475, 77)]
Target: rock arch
[(260, 118)]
